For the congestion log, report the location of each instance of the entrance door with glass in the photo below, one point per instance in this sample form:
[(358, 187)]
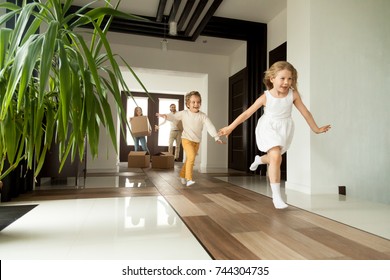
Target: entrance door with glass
[(155, 103)]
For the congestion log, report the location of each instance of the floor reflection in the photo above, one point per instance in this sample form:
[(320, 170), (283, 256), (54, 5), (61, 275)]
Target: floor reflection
[(126, 228), (149, 214), (110, 180)]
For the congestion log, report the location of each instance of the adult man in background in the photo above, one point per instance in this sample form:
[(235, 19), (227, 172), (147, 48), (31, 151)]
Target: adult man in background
[(174, 134)]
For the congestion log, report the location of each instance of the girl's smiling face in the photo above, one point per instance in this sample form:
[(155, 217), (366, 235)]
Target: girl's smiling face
[(194, 104), (282, 81)]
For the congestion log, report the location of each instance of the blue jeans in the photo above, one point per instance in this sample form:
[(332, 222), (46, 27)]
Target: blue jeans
[(140, 140)]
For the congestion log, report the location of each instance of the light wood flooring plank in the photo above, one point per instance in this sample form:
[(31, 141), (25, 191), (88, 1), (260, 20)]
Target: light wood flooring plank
[(266, 247), (183, 206), (344, 245), (356, 235), (194, 195), (218, 242), (229, 204), (238, 222)]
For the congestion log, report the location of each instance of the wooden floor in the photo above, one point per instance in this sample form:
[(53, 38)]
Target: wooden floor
[(233, 223)]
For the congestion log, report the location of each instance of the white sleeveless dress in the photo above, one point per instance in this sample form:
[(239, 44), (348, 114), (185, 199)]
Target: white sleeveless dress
[(275, 127)]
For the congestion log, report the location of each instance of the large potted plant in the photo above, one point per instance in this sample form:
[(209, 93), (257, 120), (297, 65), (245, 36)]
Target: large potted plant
[(54, 83)]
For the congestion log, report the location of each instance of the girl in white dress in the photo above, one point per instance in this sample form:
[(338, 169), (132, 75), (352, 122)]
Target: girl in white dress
[(275, 128)]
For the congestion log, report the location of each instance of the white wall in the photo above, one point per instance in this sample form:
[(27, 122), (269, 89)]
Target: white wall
[(276, 31), (357, 45), (340, 49), (238, 60), (296, 31), (298, 53)]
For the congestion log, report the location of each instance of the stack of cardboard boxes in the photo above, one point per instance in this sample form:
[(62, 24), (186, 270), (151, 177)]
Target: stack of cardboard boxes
[(140, 126), (141, 159)]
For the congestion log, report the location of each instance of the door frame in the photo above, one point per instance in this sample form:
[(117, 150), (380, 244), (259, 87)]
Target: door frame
[(153, 105), (238, 143), (280, 54)]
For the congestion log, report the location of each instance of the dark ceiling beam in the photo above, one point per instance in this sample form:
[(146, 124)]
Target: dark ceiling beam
[(198, 11), (175, 8), (210, 12), (160, 10), (232, 28), (186, 12), (215, 27)]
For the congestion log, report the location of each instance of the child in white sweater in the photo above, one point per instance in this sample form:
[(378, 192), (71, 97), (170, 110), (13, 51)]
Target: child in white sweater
[(193, 121)]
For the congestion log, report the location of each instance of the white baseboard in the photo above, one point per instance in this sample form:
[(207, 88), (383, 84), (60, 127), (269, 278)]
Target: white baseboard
[(203, 169), (298, 187)]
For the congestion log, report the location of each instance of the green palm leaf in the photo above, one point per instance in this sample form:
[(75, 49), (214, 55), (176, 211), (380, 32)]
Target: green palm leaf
[(54, 85)]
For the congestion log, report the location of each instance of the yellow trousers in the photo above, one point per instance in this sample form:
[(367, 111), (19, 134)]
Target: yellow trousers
[(191, 149)]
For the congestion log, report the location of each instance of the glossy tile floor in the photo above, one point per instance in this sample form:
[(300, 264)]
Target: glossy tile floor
[(103, 228), (145, 227), (131, 228)]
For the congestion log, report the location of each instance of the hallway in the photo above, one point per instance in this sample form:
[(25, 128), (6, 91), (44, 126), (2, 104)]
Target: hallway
[(146, 214)]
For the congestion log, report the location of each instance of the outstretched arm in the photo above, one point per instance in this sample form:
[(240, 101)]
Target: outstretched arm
[(308, 116), (157, 127), (212, 131), (161, 115), (243, 117), (164, 116)]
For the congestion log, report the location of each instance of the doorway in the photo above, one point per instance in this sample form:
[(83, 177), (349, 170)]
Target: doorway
[(238, 143), (157, 142), (280, 54)]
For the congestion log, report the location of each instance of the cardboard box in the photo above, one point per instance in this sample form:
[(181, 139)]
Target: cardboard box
[(140, 126), (163, 160), (138, 159)]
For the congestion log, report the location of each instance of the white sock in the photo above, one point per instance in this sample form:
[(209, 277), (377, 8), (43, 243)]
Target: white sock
[(276, 196), (256, 162)]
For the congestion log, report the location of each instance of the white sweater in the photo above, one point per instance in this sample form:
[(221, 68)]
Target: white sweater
[(193, 125)]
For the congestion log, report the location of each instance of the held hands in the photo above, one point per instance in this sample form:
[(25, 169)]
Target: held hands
[(323, 129), (225, 131)]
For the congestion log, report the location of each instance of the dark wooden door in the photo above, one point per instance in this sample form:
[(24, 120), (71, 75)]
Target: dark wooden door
[(280, 54), (155, 103), (238, 103)]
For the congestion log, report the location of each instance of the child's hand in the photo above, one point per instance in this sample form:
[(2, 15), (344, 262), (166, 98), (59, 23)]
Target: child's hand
[(161, 115), (323, 129), (224, 131), (219, 141)]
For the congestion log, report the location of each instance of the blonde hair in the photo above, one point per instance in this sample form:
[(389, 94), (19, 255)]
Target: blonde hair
[(277, 67), (192, 93)]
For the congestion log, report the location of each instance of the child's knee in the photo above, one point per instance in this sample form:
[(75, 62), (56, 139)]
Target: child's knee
[(275, 155)]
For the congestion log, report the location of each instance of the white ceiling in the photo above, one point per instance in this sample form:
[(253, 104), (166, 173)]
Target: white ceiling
[(250, 10)]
